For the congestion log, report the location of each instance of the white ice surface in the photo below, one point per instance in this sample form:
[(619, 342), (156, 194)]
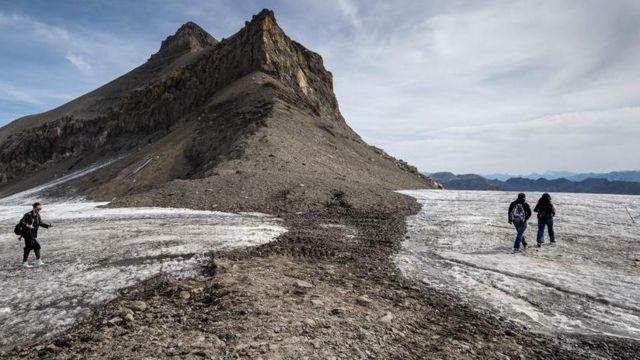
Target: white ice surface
[(90, 253), (35, 194), (588, 282)]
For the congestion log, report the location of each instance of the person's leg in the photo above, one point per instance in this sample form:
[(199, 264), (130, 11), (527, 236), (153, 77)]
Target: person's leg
[(540, 237), (36, 248), (27, 249), (523, 238), (516, 243), (519, 233), (552, 233)]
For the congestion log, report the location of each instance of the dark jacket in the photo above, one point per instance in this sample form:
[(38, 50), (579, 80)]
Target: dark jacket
[(33, 219), (527, 209), (545, 210)]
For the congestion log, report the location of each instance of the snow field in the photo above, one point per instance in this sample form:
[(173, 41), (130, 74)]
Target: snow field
[(588, 282)]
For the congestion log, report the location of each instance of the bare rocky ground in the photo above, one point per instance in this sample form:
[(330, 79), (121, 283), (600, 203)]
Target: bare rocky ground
[(325, 289)]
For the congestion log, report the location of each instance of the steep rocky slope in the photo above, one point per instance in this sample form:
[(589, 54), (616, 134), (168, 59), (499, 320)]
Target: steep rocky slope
[(250, 122)]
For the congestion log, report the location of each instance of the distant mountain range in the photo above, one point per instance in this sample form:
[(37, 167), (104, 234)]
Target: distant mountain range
[(629, 175), (589, 185)]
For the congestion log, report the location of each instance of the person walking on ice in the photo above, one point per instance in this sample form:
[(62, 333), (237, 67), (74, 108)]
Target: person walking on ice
[(546, 211), (519, 214), (31, 221)]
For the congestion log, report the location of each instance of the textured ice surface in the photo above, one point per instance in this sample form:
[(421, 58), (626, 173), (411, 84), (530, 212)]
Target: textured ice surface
[(589, 282), (92, 252), (35, 194)]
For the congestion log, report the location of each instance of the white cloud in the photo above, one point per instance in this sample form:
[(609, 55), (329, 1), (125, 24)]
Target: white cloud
[(583, 141), (407, 74), (41, 48), (349, 10), (79, 62), (36, 95), (9, 92), (25, 26)]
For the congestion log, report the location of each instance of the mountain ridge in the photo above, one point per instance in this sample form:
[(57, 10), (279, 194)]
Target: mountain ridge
[(589, 185), (620, 175), (255, 111)]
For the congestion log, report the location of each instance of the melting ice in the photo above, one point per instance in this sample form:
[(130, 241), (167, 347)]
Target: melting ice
[(92, 252), (589, 282)]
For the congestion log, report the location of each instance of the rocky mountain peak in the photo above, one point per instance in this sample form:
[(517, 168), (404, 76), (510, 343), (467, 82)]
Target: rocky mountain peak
[(265, 22), (189, 37), (260, 31), (264, 17), (262, 45), (257, 102)]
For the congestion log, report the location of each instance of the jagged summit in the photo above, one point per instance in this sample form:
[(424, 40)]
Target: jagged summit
[(189, 37), (265, 15), (249, 118)]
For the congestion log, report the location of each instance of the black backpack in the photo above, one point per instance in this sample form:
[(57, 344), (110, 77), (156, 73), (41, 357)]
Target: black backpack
[(19, 229)]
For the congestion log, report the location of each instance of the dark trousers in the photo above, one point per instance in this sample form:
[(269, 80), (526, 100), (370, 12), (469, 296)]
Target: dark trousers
[(520, 238), (548, 222), (30, 244)]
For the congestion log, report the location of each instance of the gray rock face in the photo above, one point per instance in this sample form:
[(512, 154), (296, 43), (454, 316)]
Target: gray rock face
[(146, 113), (193, 108), (189, 37)]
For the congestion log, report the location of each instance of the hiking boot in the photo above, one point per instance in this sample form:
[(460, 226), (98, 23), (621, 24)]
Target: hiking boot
[(524, 247), (26, 265), (39, 262), (552, 241), (515, 251), (539, 245)]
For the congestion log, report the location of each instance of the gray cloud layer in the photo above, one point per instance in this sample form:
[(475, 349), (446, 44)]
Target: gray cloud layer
[(467, 86)]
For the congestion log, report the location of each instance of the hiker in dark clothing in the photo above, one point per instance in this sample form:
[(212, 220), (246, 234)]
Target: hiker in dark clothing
[(519, 214), (546, 211), (31, 221)]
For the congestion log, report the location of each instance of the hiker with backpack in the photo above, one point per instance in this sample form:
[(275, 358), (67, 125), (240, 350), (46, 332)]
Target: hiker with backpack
[(29, 225), (546, 211), (519, 214)]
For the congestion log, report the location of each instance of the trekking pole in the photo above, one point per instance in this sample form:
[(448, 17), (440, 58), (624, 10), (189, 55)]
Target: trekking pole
[(628, 213)]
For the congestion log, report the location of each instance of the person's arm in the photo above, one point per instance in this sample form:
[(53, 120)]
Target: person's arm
[(44, 225), (535, 209), (26, 221), (509, 212), (527, 210), (553, 210)]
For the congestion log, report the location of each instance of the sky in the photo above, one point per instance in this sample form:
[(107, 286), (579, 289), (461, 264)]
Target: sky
[(467, 86)]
